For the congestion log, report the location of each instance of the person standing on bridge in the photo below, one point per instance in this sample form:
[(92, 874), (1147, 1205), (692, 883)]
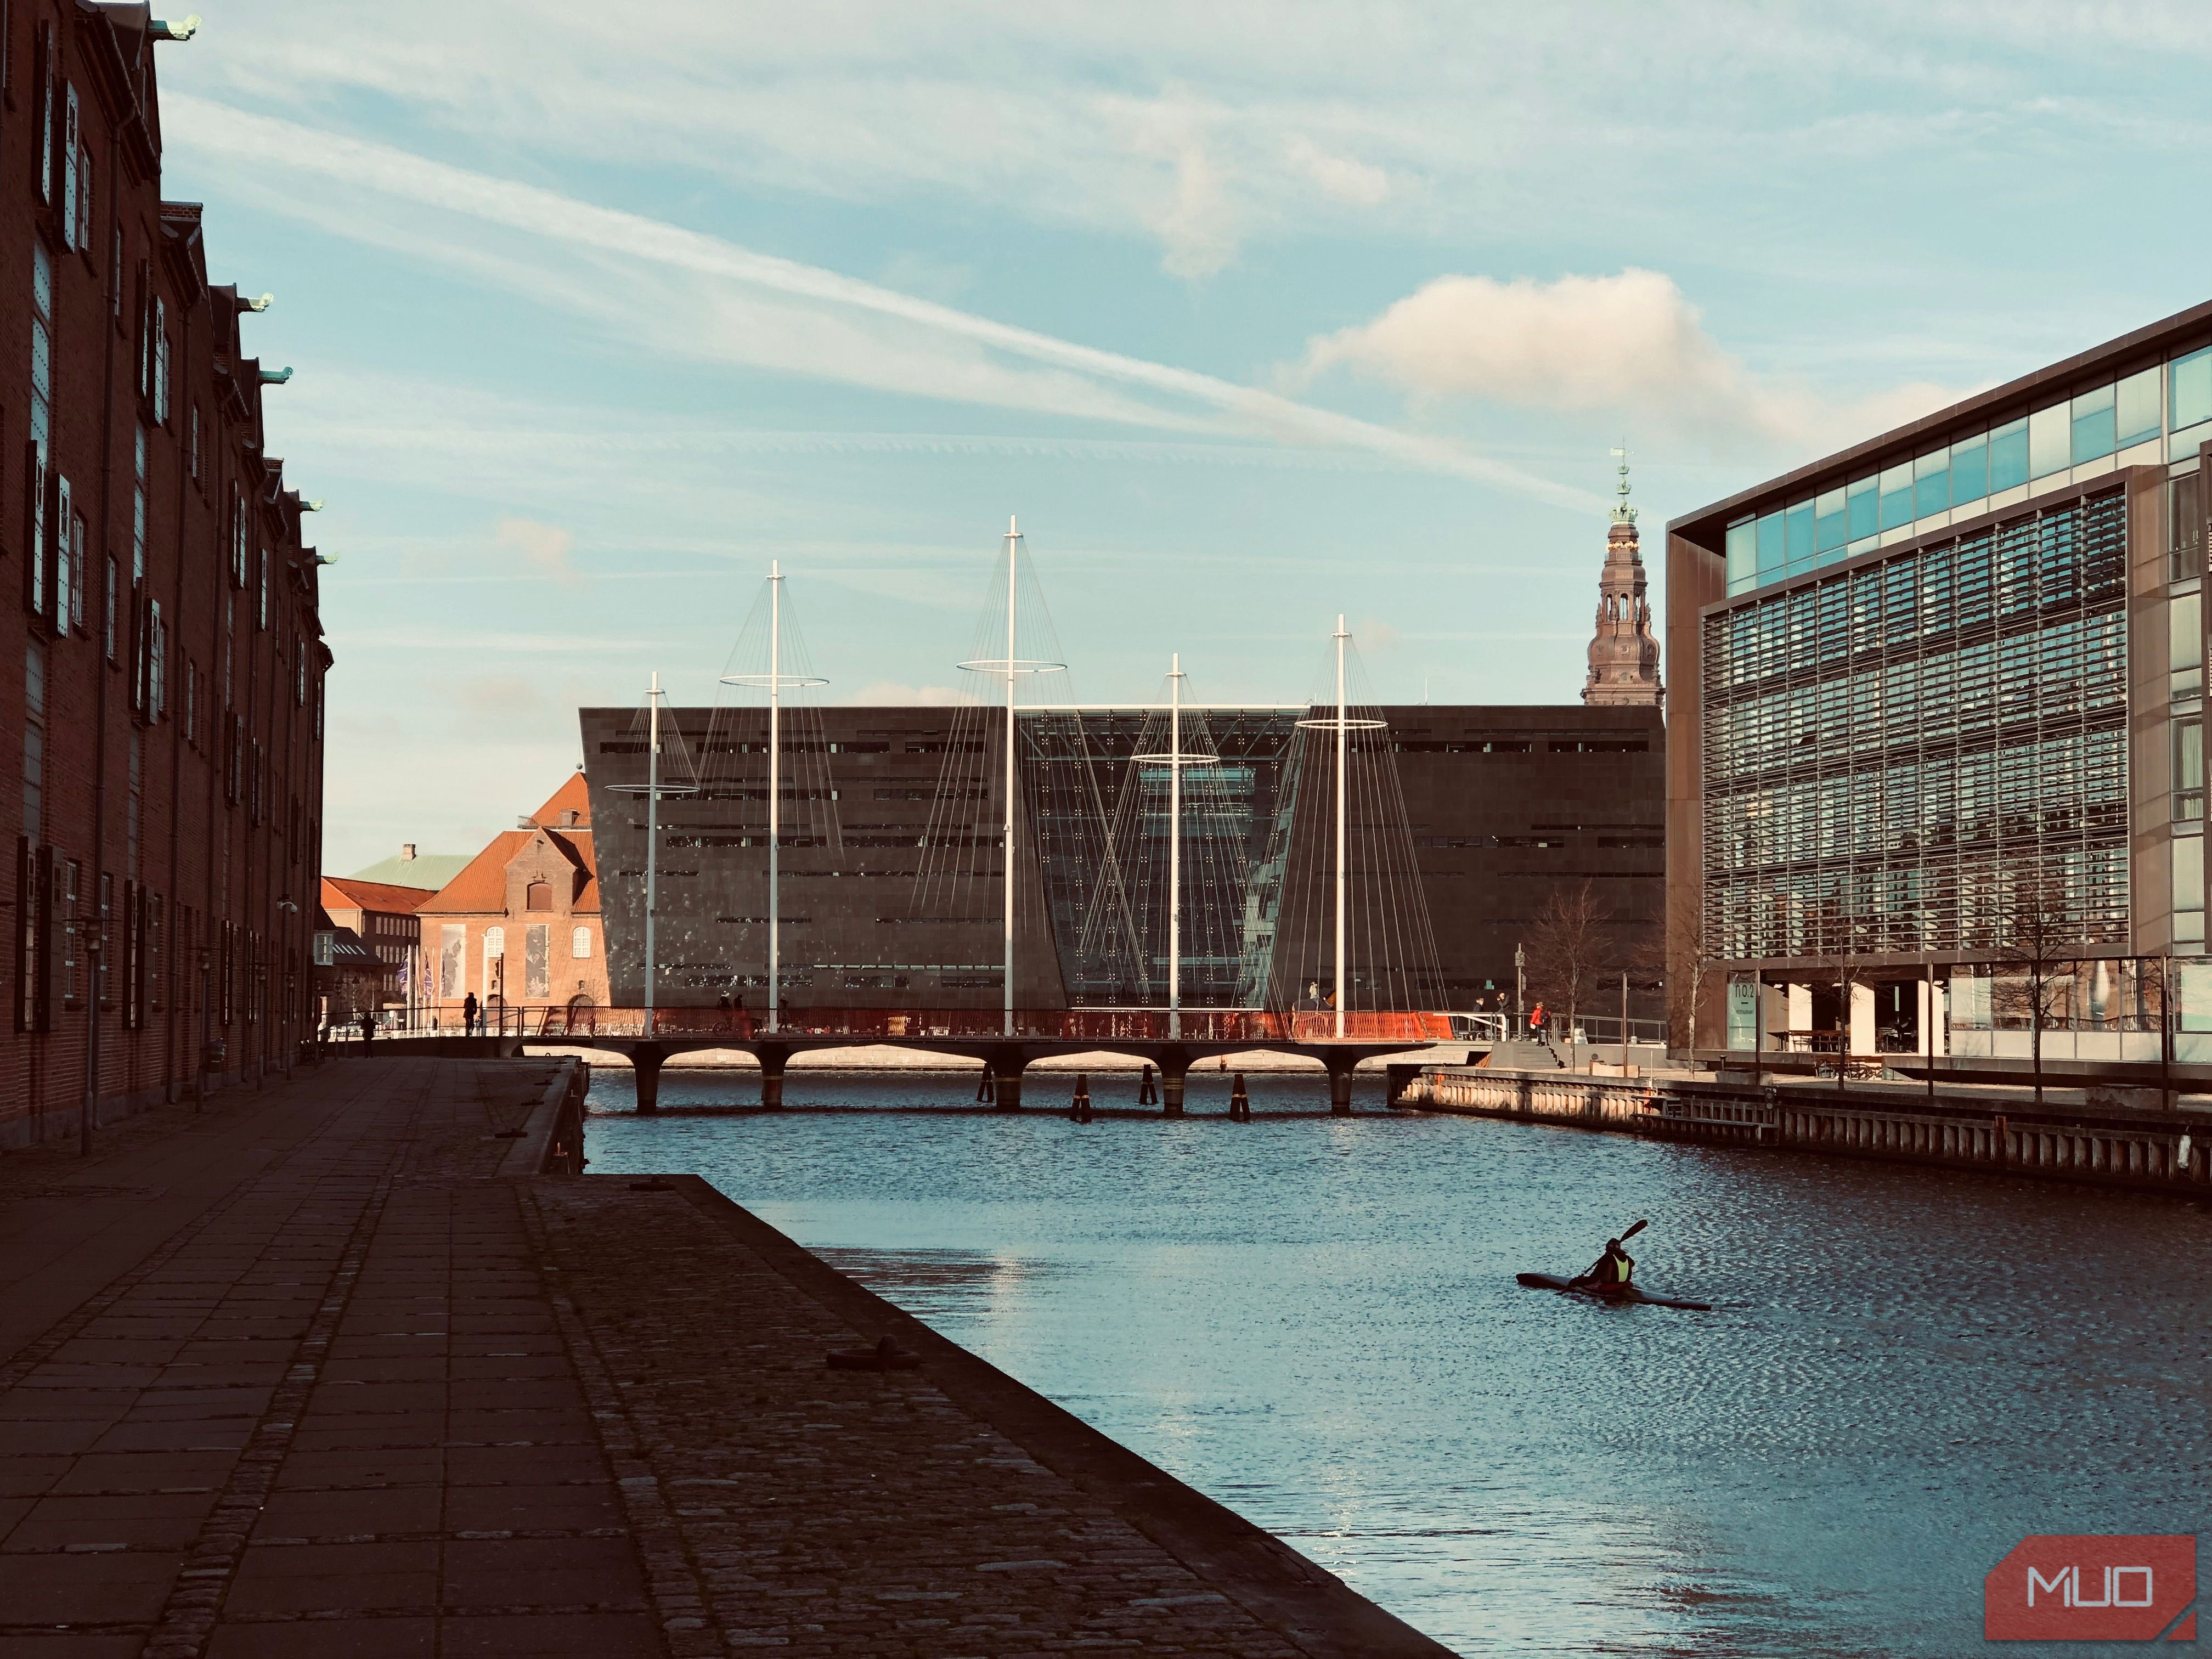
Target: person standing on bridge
[(469, 1015), (1536, 1023)]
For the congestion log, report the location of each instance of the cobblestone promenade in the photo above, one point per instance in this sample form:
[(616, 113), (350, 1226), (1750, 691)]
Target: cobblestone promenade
[(309, 1375)]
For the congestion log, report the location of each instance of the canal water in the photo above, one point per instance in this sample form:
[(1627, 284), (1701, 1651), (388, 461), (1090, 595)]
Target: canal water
[(1316, 1322)]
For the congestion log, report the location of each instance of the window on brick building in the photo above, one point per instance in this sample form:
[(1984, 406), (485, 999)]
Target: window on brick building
[(65, 209), (36, 485), (62, 536), (580, 944), (135, 801), (115, 279), (538, 895), (35, 741), (48, 115), (262, 610), (79, 579), (103, 982), (113, 645), (138, 514), (156, 991), (85, 244), (69, 890)]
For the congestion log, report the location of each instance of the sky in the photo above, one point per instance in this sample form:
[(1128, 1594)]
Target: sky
[(1254, 314)]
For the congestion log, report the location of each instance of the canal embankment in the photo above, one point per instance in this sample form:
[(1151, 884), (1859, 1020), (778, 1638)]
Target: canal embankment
[(363, 1363), (2071, 1134)]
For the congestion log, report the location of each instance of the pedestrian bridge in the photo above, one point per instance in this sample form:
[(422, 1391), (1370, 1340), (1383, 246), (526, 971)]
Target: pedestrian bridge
[(648, 1038)]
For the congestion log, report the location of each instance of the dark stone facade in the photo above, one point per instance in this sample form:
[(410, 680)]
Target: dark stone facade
[(891, 892)]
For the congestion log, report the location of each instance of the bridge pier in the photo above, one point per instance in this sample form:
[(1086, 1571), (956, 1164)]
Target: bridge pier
[(772, 1056), (1005, 1067), (1340, 1084), (647, 1061), (1174, 1068)]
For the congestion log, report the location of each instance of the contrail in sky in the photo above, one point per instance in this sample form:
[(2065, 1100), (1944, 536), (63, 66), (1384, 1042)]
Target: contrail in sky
[(267, 144)]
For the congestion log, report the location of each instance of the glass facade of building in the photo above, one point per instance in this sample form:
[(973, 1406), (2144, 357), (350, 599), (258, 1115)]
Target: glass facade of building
[(2164, 411), (1885, 752)]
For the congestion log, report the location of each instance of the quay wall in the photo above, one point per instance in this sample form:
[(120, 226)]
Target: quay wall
[(2160, 1152)]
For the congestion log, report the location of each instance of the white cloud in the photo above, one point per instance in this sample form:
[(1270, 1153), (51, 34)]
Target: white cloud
[(1340, 178), (1629, 342), (547, 546)]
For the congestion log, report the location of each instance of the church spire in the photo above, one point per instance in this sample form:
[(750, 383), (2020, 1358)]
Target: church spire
[(1624, 656)]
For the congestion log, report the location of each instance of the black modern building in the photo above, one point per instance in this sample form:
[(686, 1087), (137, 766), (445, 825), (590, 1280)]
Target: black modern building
[(1462, 822)]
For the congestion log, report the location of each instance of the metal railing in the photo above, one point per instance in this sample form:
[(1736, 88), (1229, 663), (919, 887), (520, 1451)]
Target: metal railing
[(555, 1021)]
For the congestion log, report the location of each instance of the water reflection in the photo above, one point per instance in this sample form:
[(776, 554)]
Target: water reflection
[(1316, 1320)]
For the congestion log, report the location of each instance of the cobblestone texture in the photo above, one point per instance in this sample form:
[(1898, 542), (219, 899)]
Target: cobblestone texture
[(324, 1384), (833, 1512)]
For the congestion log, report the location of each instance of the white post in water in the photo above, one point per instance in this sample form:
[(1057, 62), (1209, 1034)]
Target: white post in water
[(1006, 845), (1343, 732), (774, 792), (652, 842)]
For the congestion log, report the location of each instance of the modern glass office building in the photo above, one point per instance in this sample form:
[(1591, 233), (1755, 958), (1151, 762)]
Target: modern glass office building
[(1945, 776)]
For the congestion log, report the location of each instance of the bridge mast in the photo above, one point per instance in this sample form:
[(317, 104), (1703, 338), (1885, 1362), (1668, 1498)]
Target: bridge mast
[(774, 792), (774, 682), (1174, 846), (1007, 843), (652, 842), (1175, 760), (1343, 729)]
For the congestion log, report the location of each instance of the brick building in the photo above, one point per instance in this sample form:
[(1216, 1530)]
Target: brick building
[(521, 923), (382, 917), (165, 686)]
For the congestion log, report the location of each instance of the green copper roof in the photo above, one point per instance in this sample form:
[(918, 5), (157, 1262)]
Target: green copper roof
[(430, 869)]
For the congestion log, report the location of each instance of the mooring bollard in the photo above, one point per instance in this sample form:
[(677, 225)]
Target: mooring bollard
[(1147, 1095), (1240, 1103)]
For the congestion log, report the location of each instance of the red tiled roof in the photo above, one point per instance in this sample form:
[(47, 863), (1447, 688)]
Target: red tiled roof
[(344, 893), (481, 887), (570, 797), (482, 884)]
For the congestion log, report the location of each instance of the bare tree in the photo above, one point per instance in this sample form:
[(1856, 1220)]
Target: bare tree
[(1850, 970), (2040, 939), (1570, 945), (1679, 958)]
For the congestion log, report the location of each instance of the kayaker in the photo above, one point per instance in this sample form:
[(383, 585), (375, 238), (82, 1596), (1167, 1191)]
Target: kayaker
[(1611, 1271)]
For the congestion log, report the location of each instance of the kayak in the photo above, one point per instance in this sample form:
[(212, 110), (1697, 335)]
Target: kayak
[(1627, 1293)]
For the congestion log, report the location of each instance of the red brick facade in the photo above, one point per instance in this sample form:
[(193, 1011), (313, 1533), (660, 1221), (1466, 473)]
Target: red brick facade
[(162, 687), (520, 924)]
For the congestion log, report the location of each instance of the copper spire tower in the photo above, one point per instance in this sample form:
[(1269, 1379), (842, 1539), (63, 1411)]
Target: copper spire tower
[(1624, 657)]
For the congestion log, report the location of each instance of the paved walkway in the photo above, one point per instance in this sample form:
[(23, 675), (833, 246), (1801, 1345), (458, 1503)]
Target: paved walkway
[(305, 1376)]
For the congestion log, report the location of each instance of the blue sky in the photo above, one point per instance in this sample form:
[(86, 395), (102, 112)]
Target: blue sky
[(1253, 314)]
